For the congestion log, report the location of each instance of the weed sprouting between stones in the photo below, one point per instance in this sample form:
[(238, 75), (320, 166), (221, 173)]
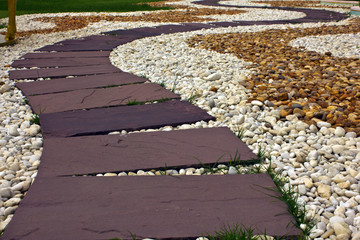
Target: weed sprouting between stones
[(133, 102), (236, 232)]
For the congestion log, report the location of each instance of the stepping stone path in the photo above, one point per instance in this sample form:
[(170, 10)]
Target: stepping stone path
[(87, 98)]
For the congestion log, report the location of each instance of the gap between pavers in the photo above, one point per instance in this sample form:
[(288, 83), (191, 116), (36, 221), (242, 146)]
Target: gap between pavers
[(129, 118), (162, 207), (99, 98), (142, 151), (77, 83)]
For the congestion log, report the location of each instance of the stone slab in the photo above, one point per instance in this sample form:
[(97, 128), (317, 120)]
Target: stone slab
[(135, 33), (62, 72), (129, 118), (141, 151), (82, 54), (91, 43), (99, 97), (84, 82), (60, 62), (163, 207)]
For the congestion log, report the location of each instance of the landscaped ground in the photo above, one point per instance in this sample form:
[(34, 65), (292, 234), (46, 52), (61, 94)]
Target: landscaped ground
[(295, 98)]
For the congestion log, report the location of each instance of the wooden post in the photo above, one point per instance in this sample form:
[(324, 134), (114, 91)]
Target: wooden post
[(11, 29)]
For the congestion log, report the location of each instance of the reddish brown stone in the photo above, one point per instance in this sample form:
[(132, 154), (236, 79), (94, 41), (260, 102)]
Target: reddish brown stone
[(101, 97), (163, 207)]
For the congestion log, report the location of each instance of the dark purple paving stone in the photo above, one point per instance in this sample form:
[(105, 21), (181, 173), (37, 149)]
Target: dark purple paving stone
[(91, 43), (129, 118), (135, 33), (315, 14), (141, 151), (85, 82), (225, 24), (200, 25), (60, 62), (63, 72), (163, 207), (82, 54), (99, 97), (172, 28)]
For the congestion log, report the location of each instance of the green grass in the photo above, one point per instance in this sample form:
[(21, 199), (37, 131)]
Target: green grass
[(234, 233), (133, 102), (35, 119), (54, 6)]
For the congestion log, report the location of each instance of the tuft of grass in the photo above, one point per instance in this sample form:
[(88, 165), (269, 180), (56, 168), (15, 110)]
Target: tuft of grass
[(240, 132), (193, 97), (144, 76), (133, 102), (3, 25), (162, 84), (26, 101), (235, 232), (133, 236), (234, 161), (35, 119), (163, 100)]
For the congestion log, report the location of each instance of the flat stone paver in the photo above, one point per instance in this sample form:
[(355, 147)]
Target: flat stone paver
[(162, 207), (62, 72), (81, 54), (60, 62), (129, 118), (100, 97), (83, 82), (91, 43), (142, 151)]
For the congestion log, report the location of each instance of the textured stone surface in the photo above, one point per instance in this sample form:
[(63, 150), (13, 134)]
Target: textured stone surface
[(62, 72), (101, 97), (86, 208), (82, 54), (152, 150), (77, 83), (105, 120), (60, 62)]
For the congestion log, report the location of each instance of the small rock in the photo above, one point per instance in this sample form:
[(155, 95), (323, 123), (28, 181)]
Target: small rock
[(323, 124), (213, 77), (6, 193), (232, 170), (5, 88), (257, 103), (324, 191), (337, 149), (211, 103), (13, 131), (33, 130), (339, 132)]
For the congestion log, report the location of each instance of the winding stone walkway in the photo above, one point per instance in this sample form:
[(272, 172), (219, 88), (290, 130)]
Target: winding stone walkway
[(76, 113)]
